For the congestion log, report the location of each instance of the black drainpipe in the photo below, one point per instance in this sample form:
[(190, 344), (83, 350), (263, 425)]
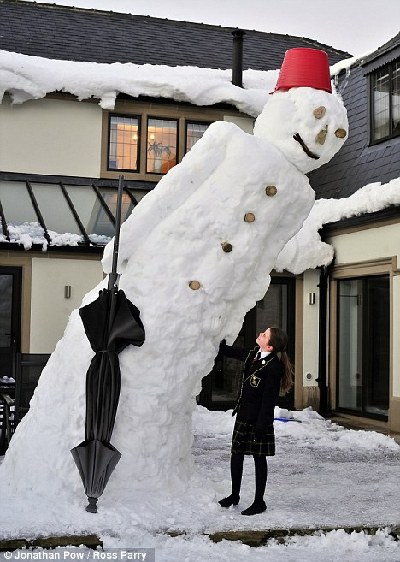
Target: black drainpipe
[(237, 57), (322, 351)]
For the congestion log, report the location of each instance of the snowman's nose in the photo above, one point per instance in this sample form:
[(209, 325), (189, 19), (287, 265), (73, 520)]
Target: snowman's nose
[(321, 137)]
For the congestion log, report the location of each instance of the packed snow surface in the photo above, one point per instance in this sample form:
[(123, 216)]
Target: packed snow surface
[(322, 475), (194, 257)]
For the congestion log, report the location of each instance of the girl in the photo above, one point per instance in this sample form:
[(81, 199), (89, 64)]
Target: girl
[(265, 376)]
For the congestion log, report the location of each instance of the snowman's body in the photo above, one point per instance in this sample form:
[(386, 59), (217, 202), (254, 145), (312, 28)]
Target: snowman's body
[(194, 262)]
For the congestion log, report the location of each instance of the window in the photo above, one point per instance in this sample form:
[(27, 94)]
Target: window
[(143, 139), (363, 355), (123, 143), (385, 102), (194, 132), (162, 137)]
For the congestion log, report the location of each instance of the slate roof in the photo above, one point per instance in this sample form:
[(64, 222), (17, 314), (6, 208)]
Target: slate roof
[(384, 54), (68, 33), (358, 163)]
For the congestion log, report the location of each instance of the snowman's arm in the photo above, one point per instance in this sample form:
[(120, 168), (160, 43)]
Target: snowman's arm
[(172, 191)]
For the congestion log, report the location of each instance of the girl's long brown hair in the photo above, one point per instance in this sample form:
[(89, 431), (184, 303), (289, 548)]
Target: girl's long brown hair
[(278, 340)]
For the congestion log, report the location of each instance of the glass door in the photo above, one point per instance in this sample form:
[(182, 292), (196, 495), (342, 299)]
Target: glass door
[(377, 357), (363, 345), (221, 386), (10, 309)]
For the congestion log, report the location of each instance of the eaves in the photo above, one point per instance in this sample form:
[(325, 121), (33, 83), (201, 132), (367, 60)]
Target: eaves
[(372, 64), (390, 215)]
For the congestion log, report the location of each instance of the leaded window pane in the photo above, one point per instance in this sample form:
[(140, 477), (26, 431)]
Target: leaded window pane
[(162, 136), (194, 132), (110, 197), (123, 143), (381, 100)]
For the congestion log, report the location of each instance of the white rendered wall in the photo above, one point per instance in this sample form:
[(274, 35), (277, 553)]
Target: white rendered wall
[(50, 309), (365, 245), (51, 136), (310, 328), (245, 123), (372, 244)]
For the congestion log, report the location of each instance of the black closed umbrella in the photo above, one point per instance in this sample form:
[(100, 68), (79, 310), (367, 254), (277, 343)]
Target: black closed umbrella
[(111, 323)]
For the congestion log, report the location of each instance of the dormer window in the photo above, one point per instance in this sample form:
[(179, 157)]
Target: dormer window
[(385, 102)]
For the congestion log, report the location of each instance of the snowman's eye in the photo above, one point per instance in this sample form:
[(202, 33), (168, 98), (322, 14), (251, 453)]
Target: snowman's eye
[(319, 112), (340, 133)]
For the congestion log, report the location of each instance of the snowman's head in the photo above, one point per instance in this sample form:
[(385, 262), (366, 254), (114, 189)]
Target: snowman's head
[(307, 125)]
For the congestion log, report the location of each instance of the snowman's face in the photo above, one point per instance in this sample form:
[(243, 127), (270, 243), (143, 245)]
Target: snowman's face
[(309, 126)]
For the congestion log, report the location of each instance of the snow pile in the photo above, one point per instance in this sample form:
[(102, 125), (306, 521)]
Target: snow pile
[(28, 234), (25, 77), (307, 251), (194, 257), (322, 475), (161, 379)]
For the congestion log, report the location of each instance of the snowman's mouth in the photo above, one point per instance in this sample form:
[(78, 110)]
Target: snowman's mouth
[(303, 145)]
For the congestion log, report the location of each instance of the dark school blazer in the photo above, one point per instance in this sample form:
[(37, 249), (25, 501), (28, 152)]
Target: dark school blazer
[(259, 392)]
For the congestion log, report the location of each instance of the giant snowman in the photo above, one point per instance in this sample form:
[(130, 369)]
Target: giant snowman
[(195, 256)]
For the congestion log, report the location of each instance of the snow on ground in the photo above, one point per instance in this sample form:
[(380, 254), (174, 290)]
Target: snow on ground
[(322, 475)]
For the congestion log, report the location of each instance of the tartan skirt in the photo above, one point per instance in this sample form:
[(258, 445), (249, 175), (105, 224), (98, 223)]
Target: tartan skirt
[(244, 440)]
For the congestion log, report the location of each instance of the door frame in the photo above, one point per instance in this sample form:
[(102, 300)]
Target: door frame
[(365, 335), (16, 307)]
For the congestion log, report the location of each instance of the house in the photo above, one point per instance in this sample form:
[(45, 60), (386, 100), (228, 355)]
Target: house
[(90, 95), (358, 360)]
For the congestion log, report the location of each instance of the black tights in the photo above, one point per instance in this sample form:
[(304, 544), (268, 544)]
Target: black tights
[(261, 469)]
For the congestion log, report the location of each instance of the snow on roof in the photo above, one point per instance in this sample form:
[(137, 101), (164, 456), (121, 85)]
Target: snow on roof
[(25, 77), (307, 251), (346, 64)]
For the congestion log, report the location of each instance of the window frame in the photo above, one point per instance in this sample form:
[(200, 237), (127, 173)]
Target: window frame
[(178, 157), (392, 135), (128, 116), (154, 108), (365, 333), (193, 122)]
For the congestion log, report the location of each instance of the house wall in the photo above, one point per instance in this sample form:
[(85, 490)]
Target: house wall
[(51, 136), (50, 310), (245, 123), (373, 251)]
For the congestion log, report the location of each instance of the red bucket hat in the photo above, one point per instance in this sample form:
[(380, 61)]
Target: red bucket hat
[(304, 67)]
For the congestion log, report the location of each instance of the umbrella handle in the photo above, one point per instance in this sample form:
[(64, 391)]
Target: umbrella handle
[(112, 279)]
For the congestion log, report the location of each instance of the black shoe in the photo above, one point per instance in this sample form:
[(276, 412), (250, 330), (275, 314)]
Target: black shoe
[(256, 507), (230, 500)]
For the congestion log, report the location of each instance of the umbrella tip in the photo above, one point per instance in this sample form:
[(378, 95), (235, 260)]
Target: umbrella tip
[(92, 505)]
